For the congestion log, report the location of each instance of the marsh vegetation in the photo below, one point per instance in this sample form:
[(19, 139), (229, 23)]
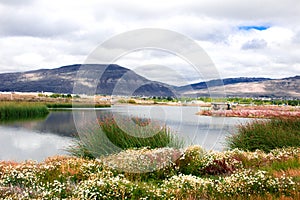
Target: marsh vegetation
[(22, 111)]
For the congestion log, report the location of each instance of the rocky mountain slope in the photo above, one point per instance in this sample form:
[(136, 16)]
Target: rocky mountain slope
[(61, 80)]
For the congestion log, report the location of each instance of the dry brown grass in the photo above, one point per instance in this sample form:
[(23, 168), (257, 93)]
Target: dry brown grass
[(289, 172)]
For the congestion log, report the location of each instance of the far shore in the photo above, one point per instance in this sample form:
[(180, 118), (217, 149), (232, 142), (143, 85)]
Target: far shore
[(69, 101), (267, 111)]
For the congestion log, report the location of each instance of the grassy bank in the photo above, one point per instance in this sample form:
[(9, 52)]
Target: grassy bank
[(21, 111), (266, 135), (195, 174)]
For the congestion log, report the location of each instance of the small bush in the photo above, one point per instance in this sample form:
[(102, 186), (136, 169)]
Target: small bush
[(132, 101), (266, 135), (195, 161)]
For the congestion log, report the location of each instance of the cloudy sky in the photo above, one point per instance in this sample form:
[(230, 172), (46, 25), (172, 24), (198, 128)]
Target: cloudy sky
[(243, 38)]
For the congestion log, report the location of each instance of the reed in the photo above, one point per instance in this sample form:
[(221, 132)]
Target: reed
[(266, 135), (21, 110)]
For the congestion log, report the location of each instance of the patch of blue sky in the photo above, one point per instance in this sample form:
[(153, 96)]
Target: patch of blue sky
[(259, 28)]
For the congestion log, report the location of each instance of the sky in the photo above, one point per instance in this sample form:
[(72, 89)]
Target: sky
[(242, 38)]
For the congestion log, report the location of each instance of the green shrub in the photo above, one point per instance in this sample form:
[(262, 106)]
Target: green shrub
[(195, 161), (132, 101), (266, 135), (191, 162)]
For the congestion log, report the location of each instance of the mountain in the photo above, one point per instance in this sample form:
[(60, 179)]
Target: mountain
[(219, 82), (117, 80), (88, 78), (250, 87)]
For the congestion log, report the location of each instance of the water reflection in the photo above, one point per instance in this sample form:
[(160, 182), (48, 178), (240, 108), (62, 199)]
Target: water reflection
[(22, 144), (209, 132), (58, 122)]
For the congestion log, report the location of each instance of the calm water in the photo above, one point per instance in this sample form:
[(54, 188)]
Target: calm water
[(42, 138)]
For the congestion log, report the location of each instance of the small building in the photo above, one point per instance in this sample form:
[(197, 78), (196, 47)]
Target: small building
[(220, 106)]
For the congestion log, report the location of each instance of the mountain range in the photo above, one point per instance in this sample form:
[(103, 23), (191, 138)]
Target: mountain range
[(118, 80)]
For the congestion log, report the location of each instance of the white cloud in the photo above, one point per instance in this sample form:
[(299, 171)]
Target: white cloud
[(48, 34)]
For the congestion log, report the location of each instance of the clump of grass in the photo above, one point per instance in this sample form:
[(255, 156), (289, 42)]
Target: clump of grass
[(21, 110), (266, 135), (112, 136)]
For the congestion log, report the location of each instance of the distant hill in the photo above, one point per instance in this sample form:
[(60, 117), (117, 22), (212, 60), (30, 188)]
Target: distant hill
[(218, 82), (250, 87), (61, 80), (118, 80)]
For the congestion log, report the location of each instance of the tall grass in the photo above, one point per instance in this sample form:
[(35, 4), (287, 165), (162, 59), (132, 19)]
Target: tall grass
[(266, 135), (21, 110), (112, 136)]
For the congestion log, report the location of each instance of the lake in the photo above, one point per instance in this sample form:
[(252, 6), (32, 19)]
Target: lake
[(38, 139)]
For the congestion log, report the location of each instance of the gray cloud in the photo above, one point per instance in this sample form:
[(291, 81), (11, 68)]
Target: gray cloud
[(255, 44), (255, 10), (296, 38), (17, 2), (27, 23)]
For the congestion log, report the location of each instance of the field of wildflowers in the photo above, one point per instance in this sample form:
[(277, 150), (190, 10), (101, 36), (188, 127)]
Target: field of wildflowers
[(196, 174)]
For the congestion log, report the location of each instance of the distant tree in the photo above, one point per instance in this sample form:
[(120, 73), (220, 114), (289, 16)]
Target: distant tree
[(169, 98), (55, 95)]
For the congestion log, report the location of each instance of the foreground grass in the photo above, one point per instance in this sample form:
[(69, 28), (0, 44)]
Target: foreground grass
[(21, 110), (266, 135), (189, 174)]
